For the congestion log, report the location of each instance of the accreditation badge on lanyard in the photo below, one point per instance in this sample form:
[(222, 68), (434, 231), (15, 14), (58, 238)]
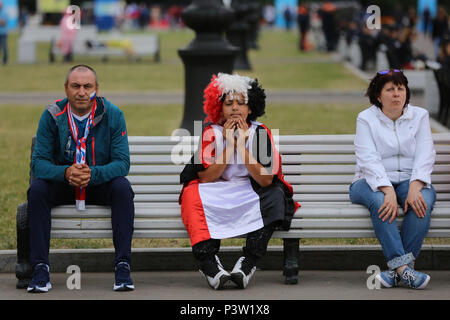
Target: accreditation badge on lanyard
[(80, 155)]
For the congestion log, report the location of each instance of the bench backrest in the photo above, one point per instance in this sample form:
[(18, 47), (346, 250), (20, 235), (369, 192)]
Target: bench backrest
[(319, 167)]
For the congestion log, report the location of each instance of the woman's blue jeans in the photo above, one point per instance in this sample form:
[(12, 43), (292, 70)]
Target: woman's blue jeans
[(400, 247)]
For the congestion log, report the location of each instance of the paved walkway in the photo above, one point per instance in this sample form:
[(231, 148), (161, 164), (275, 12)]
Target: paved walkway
[(266, 285)]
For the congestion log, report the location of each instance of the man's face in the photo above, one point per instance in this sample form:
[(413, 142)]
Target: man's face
[(79, 87)]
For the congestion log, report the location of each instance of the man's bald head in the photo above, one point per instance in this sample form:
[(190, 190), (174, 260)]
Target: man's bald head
[(80, 68)]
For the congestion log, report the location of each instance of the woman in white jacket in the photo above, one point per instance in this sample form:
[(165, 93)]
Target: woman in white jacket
[(394, 160)]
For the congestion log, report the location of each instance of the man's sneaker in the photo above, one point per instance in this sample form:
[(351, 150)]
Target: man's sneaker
[(215, 274), (388, 279), (123, 279), (40, 281), (414, 279), (242, 272)]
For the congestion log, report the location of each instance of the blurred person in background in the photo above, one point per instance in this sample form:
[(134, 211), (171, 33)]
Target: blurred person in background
[(327, 13), (368, 45), (303, 21), (440, 27), (269, 15), (3, 33), (67, 37), (444, 52)]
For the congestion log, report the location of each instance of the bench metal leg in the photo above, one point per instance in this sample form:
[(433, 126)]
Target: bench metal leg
[(291, 256), (23, 266)]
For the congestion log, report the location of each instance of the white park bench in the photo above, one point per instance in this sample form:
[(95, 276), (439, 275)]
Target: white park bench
[(142, 45), (319, 167), (32, 35)]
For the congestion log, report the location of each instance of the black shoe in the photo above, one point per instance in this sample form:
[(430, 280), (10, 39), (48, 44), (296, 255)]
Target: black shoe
[(123, 279), (40, 281), (215, 274), (242, 272)]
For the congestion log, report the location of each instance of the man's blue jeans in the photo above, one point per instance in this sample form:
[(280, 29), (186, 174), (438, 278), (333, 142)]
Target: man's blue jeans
[(400, 247)]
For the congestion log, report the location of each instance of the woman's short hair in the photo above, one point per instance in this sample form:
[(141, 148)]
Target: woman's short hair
[(223, 85), (383, 77)]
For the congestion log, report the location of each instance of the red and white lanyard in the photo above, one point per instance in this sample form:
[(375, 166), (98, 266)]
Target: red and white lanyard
[(80, 155)]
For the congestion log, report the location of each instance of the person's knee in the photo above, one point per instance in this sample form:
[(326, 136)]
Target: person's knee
[(38, 189), (121, 187), (429, 195), (376, 201), (278, 193)]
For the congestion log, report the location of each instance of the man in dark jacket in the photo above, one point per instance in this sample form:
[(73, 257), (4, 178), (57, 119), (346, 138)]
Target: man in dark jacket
[(81, 155)]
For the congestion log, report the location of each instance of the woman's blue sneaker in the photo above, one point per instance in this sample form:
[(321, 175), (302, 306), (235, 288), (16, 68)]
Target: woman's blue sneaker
[(414, 279), (388, 279), (40, 281)]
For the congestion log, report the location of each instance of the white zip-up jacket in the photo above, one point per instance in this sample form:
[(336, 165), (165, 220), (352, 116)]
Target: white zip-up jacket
[(389, 152)]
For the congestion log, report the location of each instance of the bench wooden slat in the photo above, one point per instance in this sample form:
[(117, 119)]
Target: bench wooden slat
[(155, 159), (308, 197), (442, 138), (348, 233), (284, 149), (156, 169), (307, 212), (287, 169), (161, 189), (354, 223), (326, 189), (295, 234), (286, 159), (305, 197), (177, 224), (339, 159), (154, 180), (101, 234), (344, 188), (165, 140), (346, 179), (292, 179)]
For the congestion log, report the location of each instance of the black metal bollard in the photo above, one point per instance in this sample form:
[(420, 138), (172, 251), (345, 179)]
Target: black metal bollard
[(209, 53), (237, 34), (254, 18)]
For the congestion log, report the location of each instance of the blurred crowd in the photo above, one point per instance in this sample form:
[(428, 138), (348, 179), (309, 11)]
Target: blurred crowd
[(322, 25), (142, 16)]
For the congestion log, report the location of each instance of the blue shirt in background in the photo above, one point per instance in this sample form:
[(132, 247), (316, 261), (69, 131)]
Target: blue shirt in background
[(4, 17)]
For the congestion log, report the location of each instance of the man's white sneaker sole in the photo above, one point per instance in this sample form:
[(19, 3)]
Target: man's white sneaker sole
[(123, 287), (37, 289)]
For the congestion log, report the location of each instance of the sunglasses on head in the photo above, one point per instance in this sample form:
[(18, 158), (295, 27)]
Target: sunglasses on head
[(383, 72)]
